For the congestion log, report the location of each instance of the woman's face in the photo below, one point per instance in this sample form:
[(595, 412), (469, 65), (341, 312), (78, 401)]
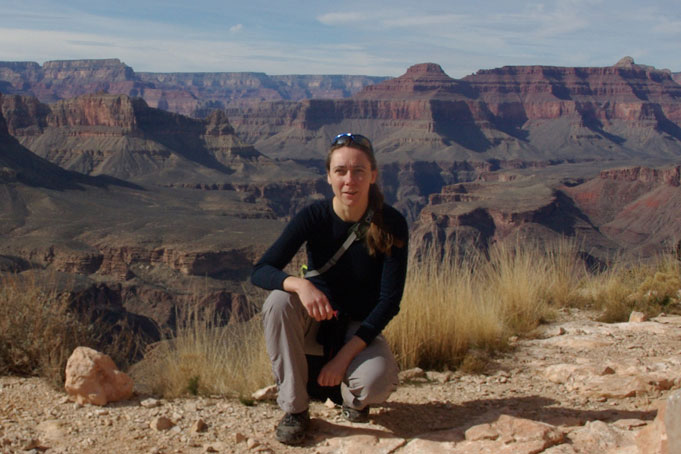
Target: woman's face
[(350, 176)]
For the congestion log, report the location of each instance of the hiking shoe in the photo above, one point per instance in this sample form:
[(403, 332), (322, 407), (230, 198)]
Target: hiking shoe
[(354, 415), (292, 428)]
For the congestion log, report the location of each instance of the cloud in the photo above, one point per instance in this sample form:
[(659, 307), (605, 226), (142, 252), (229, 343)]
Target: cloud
[(665, 26), (234, 29), (89, 43), (342, 18), (424, 20)]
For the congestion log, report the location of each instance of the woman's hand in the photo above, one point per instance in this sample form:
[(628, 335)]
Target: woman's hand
[(334, 371), (314, 301)]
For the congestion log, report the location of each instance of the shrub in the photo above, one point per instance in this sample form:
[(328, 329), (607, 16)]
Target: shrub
[(38, 332)]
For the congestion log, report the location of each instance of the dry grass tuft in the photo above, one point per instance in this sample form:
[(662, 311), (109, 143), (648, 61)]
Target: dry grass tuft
[(652, 287), (38, 332), (207, 359), (442, 314), (456, 312), (456, 309)]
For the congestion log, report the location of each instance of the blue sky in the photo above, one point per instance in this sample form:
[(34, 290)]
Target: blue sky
[(372, 37)]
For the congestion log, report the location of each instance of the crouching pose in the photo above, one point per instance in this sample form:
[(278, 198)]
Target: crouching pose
[(356, 267)]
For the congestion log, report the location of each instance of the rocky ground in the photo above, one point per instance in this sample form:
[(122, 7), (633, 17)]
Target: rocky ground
[(578, 386)]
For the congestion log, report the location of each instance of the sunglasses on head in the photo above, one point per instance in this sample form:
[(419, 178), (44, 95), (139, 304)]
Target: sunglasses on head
[(347, 138)]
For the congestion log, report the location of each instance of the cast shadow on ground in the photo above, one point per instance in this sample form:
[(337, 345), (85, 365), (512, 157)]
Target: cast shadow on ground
[(448, 421)]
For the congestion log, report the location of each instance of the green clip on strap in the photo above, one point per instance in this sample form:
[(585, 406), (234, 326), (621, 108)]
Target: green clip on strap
[(356, 232)]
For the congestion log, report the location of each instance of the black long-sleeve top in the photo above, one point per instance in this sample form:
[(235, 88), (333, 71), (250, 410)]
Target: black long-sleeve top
[(366, 288)]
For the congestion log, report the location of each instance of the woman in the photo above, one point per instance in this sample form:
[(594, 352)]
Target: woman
[(355, 294)]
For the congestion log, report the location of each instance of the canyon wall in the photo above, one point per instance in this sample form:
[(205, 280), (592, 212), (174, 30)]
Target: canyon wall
[(102, 178), (630, 209), (191, 94)]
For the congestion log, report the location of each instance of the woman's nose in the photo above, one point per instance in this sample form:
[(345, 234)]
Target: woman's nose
[(349, 177)]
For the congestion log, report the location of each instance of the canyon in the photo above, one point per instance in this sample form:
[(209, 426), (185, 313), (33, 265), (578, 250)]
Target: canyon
[(149, 191), (185, 93)]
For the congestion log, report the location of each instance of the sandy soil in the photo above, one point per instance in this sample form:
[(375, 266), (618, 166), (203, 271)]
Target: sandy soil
[(36, 418)]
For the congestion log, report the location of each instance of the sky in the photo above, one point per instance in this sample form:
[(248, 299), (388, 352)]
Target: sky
[(369, 37)]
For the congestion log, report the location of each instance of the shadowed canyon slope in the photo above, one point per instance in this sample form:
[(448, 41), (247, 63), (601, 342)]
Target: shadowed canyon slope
[(122, 137), (141, 248)]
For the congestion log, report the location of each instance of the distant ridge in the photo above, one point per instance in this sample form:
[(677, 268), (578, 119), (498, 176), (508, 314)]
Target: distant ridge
[(192, 94), (523, 113)]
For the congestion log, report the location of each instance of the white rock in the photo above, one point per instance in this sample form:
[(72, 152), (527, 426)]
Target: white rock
[(412, 374), (268, 393), (150, 403), (637, 317)]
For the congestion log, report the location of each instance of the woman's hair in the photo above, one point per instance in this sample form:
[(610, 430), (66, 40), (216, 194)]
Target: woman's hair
[(378, 239)]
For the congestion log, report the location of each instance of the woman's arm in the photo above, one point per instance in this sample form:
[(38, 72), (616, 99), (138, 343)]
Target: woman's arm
[(315, 302), (393, 277), (268, 271)]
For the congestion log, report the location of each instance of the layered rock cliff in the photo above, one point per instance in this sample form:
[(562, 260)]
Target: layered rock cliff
[(122, 137), (131, 252), (192, 94), (632, 209), (19, 165), (477, 214), (637, 206), (522, 112)]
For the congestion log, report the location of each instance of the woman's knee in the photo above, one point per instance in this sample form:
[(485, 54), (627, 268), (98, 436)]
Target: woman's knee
[(376, 377), (278, 304)]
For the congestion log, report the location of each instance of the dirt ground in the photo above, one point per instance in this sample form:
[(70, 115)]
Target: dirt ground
[(552, 378)]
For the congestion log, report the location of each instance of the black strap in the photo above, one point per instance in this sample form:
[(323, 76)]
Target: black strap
[(357, 231)]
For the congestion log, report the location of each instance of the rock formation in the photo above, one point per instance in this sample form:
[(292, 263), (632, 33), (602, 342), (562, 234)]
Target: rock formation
[(122, 137), (528, 113), (193, 94), (634, 206), (92, 378), (632, 209), (126, 253)]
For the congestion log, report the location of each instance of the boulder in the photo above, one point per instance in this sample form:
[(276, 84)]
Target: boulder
[(637, 317), (92, 377), (598, 436)]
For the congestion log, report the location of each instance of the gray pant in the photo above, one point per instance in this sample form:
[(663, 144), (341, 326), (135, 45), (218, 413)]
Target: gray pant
[(290, 334)]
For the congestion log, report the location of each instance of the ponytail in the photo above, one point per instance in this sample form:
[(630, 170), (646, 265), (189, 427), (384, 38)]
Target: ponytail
[(378, 239)]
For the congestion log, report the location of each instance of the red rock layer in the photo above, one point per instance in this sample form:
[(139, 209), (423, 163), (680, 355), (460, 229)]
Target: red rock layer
[(192, 94)]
